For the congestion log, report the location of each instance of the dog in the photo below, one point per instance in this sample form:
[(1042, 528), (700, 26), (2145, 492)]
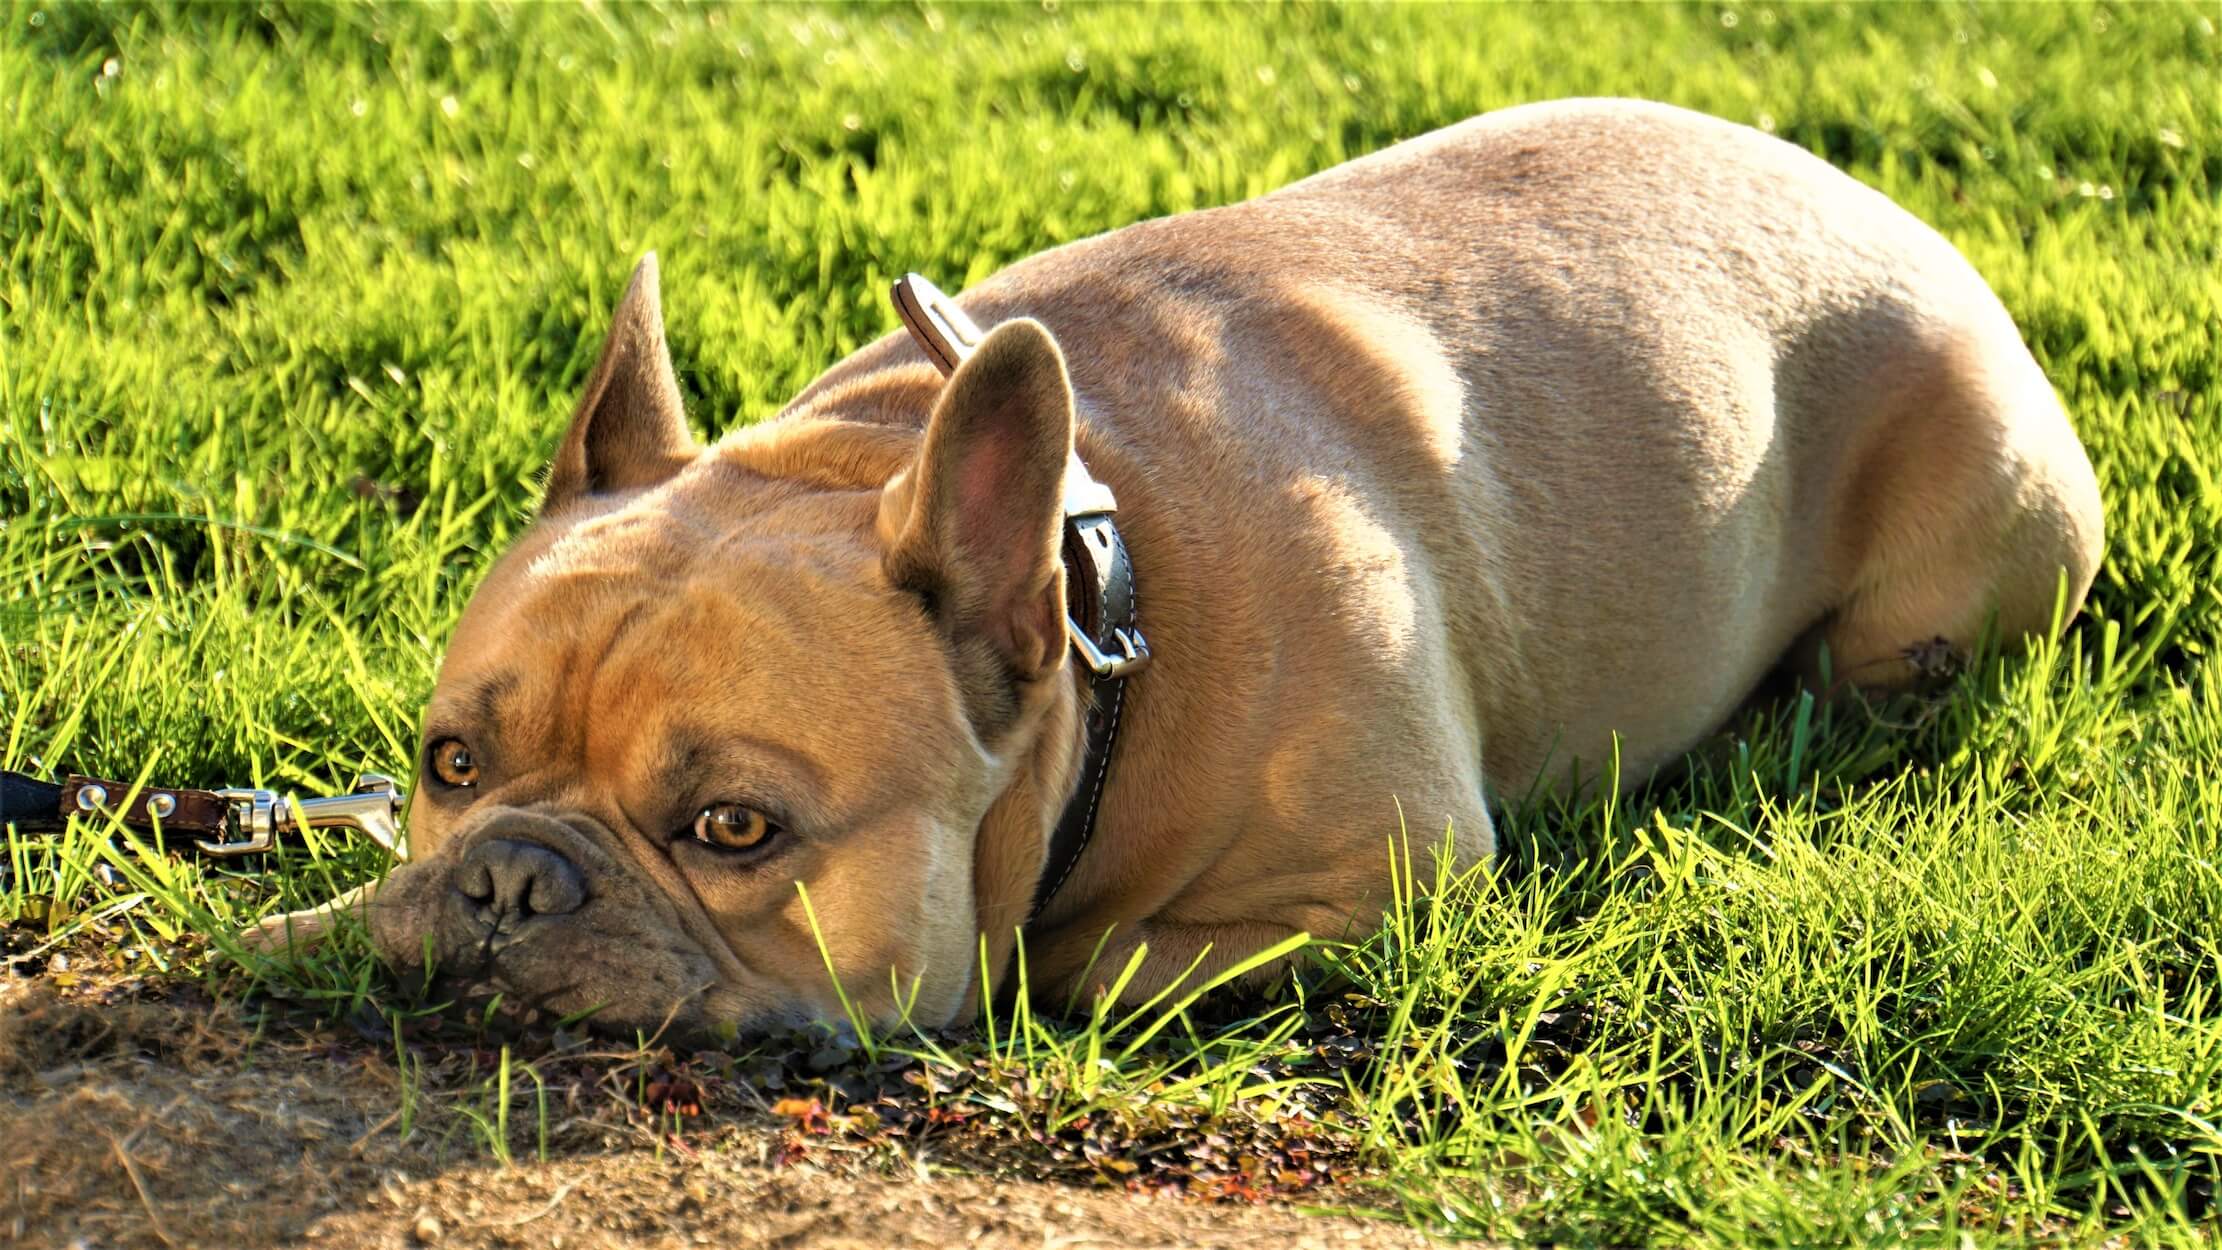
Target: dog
[(1473, 465)]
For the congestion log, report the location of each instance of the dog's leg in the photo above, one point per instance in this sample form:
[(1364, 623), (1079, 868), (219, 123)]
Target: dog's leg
[(1180, 957), (304, 931), (1184, 957), (1976, 502)]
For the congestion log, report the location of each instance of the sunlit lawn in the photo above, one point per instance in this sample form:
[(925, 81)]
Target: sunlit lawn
[(294, 300)]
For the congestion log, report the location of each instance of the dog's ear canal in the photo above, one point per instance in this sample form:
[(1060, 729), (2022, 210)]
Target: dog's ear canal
[(630, 429), (973, 526)]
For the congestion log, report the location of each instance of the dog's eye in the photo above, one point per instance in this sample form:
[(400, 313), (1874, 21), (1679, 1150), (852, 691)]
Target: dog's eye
[(453, 763), (733, 827)]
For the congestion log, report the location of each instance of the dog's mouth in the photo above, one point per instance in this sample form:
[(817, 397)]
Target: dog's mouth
[(483, 993), (493, 1005)]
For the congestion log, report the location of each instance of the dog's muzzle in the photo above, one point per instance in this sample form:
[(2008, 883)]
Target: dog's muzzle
[(543, 913)]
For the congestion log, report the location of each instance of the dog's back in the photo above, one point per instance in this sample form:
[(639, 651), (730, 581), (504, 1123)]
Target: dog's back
[(1624, 401), (1535, 441)]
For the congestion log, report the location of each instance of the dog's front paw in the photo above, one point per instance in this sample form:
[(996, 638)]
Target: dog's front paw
[(301, 932)]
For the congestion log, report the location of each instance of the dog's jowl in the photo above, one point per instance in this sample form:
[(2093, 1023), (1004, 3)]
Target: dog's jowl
[(1441, 473)]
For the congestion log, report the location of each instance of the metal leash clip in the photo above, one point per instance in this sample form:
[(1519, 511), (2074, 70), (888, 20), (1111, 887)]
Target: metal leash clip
[(372, 808)]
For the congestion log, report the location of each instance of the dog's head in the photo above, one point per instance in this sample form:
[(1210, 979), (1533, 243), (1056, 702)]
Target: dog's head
[(728, 719)]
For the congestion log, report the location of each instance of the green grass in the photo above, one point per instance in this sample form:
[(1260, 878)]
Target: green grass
[(293, 301)]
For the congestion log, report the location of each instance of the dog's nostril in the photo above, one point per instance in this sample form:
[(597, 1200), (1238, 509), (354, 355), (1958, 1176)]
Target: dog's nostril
[(552, 897), (476, 881), (519, 879)]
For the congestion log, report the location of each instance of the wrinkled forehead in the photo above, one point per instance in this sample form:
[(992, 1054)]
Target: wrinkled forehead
[(648, 633)]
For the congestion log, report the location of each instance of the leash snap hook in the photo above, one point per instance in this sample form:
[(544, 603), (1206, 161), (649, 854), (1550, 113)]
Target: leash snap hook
[(253, 824), (372, 808)]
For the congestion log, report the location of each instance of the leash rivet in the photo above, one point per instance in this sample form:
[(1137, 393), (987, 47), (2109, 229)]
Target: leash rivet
[(162, 805), (92, 798)]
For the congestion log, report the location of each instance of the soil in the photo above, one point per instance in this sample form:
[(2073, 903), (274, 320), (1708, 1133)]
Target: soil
[(172, 1120)]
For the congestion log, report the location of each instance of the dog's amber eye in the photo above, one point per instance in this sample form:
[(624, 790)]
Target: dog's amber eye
[(732, 827), (453, 763)]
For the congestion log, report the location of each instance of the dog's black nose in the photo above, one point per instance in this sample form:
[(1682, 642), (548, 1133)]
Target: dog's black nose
[(503, 881)]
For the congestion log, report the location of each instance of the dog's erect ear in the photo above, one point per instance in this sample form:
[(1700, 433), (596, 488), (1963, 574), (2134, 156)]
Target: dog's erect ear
[(973, 526), (629, 430)]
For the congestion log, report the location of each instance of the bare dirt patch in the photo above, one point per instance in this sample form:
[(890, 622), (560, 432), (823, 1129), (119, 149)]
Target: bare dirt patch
[(162, 1118)]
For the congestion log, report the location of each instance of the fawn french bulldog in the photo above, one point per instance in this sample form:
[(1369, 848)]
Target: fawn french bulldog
[(1437, 471)]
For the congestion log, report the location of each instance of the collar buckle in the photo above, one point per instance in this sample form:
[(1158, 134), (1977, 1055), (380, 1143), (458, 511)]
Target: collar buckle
[(1134, 648)]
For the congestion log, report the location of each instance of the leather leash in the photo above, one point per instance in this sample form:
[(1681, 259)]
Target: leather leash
[(1101, 608), (219, 823)]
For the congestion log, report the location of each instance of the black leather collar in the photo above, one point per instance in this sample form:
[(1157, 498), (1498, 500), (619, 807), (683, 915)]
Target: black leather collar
[(1102, 613), (1100, 601)]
